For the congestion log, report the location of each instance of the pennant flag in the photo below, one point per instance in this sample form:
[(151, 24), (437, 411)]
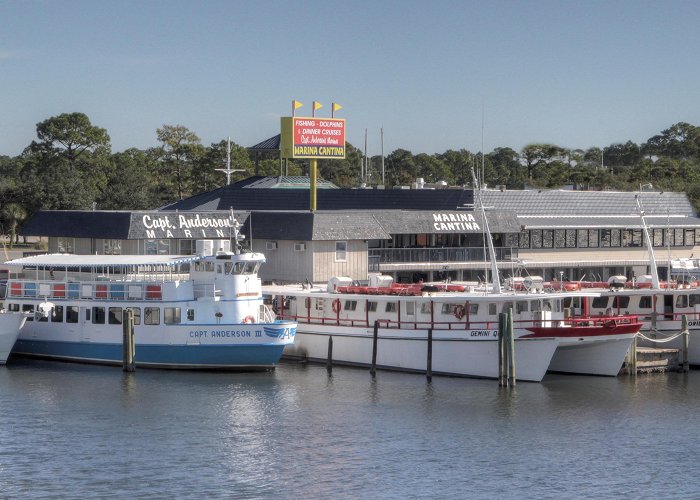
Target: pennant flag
[(295, 105), (335, 107), (317, 105)]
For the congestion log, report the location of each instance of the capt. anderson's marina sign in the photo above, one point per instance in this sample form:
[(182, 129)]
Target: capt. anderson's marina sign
[(187, 225)]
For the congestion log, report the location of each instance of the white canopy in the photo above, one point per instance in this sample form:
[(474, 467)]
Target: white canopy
[(62, 260)]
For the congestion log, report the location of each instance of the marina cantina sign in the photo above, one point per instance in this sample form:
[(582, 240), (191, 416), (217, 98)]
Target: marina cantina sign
[(157, 225), (443, 222)]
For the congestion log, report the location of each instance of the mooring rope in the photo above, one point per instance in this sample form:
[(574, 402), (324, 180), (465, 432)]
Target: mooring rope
[(662, 340)]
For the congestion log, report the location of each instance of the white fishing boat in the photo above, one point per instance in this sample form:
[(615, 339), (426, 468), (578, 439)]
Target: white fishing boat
[(551, 329), (10, 326), (201, 311)]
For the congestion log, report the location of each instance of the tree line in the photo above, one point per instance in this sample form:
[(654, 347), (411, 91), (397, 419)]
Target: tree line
[(70, 166)]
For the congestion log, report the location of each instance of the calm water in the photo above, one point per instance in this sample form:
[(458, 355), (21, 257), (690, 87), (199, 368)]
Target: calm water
[(70, 430)]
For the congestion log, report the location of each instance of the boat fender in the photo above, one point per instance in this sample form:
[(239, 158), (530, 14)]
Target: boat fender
[(459, 312), (248, 319), (336, 306)]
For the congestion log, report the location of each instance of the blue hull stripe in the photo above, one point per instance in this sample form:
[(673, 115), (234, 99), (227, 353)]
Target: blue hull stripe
[(175, 356)]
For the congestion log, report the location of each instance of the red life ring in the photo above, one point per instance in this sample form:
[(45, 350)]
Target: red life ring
[(249, 319), (459, 312), (336, 306)]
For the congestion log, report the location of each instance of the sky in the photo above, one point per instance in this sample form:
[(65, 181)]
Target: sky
[(433, 76)]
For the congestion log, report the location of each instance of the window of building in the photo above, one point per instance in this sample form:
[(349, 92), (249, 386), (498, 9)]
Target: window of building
[(341, 248), (605, 237), (615, 237), (171, 315), (151, 315), (593, 238), (582, 236), (547, 238), (156, 247), (657, 237), (689, 237), (570, 238), (98, 315), (112, 247), (678, 237), (524, 239), (559, 238), (115, 315), (536, 238), (66, 245), (188, 247)]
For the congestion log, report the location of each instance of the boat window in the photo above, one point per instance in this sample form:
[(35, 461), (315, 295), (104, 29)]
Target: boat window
[(447, 308), (473, 308), (493, 309), (238, 267), (29, 309), (219, 269), (250, 267), (98, 315), (115, 315), (57, 314), (390, 307), (694, 299), (171, 315), (228, 267), (151, 316), (521, 306), (410, 308), (87, 314), (425, 308), (371, 306), (137, 314), (681, 301), (645, 302), (14, 307), (319, 304), (209, 266), (621, 301), (190, 314), (600, 302), (350, 305), (72, 314)]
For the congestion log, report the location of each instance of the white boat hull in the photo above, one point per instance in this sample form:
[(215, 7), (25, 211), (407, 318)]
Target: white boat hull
[(599, 356), (406, 350), (10, 327)]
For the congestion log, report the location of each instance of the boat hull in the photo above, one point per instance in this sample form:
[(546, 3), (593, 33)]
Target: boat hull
[(406, 350), (217, 347), (10, 327)]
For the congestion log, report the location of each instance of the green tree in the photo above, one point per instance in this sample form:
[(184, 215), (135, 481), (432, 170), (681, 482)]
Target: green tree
[(180, 151), (13, 215), (71, 135)]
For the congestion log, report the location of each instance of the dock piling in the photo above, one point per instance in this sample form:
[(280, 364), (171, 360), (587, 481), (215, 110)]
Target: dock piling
[(373, 368), (128, 347), (329, 360), (511, 350), (429, 366), (686, 342)]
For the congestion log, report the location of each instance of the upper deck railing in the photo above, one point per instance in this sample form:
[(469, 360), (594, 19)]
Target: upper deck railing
[(379, 256)]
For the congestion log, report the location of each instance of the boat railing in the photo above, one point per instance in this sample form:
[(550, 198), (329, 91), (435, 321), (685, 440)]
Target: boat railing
[(443, 254), (266, 314), (85, 290), (487, 326)]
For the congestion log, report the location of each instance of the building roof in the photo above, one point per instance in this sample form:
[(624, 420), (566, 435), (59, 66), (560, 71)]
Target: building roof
[(271, 144), (561, 202), (79, 224)]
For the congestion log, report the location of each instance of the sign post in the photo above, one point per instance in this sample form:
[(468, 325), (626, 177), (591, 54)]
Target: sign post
[(313, 138)]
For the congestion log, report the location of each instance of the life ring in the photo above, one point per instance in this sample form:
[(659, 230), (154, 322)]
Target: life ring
[(459, 312), (249, 319), (336, 306)]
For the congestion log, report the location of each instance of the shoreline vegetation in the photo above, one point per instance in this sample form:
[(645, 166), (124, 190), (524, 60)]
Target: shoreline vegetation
[(70, 166)]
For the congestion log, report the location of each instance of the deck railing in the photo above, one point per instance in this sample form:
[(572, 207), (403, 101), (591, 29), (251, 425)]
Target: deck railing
[(378, 256)]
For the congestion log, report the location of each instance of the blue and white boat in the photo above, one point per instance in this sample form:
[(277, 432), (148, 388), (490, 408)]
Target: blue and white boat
[(201, 311)]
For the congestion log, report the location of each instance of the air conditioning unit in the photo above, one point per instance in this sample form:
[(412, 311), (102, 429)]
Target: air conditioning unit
[(271, 245), (299, 247)]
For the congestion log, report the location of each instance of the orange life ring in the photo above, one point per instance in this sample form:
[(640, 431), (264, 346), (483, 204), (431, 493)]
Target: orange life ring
[(336, 306), (459, 312), (249, 319)]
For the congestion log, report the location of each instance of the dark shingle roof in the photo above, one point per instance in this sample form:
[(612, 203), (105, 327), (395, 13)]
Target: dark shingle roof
[(79, 224)]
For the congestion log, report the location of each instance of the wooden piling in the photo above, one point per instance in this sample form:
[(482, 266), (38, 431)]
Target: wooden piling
[(329, 359), (511, 350), (373, 368), (686, 342), (632, 358), (429, 365), (502, 363), (128, 347)]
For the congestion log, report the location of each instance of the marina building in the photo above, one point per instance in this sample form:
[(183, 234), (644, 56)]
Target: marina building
[(429, 234)]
